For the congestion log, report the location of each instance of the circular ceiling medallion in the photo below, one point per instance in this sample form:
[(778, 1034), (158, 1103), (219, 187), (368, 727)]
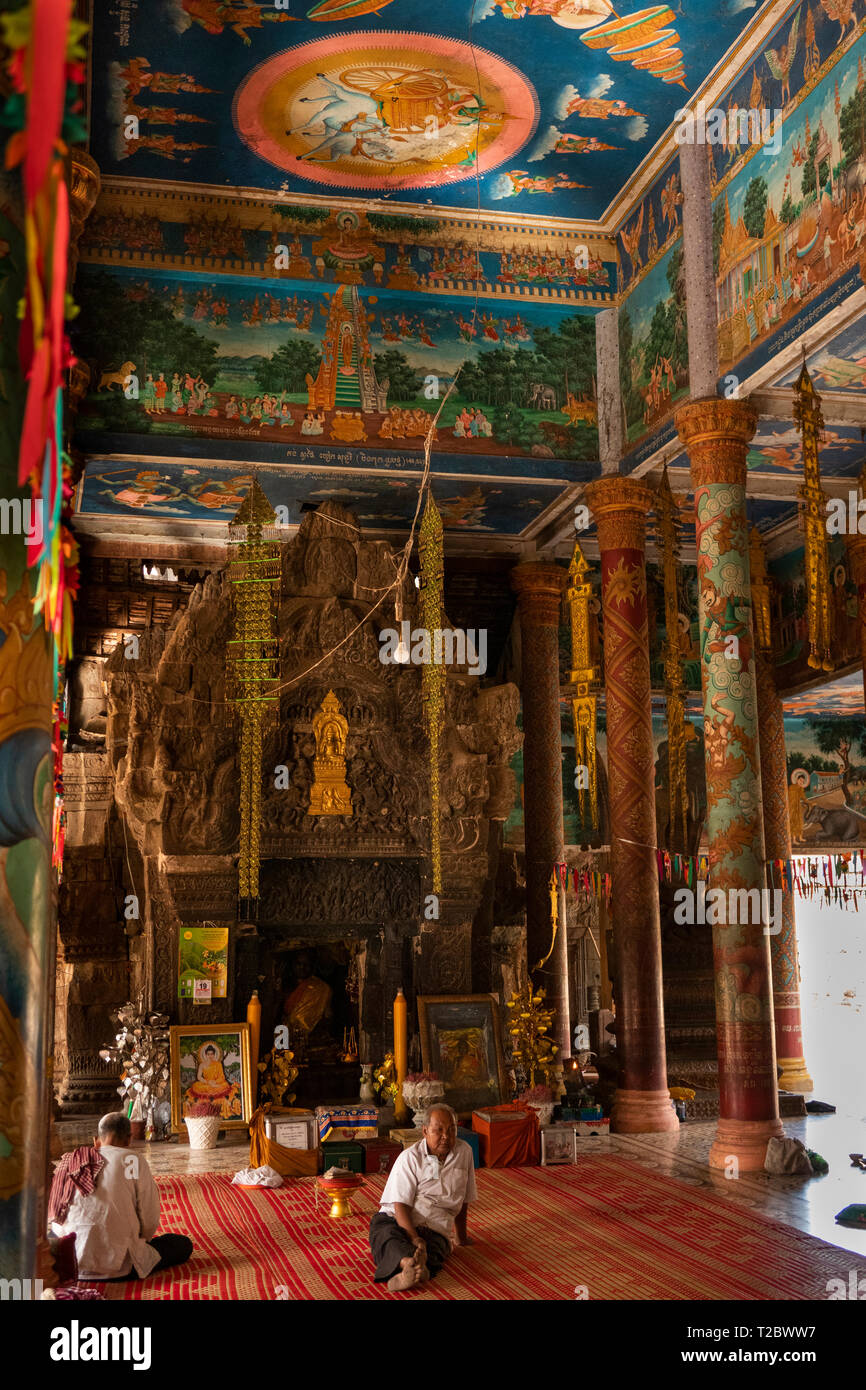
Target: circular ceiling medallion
[(385, 110)]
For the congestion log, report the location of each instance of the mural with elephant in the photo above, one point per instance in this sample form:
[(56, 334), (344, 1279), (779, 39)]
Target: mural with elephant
[(288, 362)]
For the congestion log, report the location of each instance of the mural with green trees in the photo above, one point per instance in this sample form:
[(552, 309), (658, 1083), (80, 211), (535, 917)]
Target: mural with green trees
[(178, 353), (653, 345)]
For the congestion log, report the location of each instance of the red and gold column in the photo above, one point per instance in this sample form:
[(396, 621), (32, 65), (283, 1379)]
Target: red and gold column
[(642, 1104), (716, 433), (539, 588), (777, 838)]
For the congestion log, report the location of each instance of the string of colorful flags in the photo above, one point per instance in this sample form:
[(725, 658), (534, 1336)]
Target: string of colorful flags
[(835, 879)]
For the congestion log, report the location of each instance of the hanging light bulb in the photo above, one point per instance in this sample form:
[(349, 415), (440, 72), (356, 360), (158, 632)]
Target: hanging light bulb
[(401, 654)]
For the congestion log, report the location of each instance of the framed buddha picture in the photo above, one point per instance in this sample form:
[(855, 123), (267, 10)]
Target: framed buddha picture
[(461, 1041), (211, 1073)]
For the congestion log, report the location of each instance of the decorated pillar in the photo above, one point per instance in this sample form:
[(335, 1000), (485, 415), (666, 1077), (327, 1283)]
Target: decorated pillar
[(539, 588), (857, 556), (777, 838), (642, 1104), (716, 433)]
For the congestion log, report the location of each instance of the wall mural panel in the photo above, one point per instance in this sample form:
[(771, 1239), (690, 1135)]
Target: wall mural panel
[(136, 225), (542, 105), (790, 626), (825, 739), (790, 214), (290, 364), (653, 347), (653, 342)]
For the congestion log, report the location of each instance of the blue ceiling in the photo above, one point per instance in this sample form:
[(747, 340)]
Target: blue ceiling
[(464, 105)]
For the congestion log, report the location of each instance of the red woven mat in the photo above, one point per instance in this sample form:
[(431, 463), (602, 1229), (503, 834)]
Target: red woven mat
[(605, 1225)]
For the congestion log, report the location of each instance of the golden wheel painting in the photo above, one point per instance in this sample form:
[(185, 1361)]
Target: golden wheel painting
[(385, 110)]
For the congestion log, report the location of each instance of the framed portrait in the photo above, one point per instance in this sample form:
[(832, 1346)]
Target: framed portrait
[(210, 1062), (461, 1041), (557, 1144)]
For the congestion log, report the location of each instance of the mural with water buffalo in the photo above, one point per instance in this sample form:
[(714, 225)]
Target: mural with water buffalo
[(825, 739)]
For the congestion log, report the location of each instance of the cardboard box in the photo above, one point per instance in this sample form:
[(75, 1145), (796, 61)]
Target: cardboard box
[(292, 1131), (406, 1137)]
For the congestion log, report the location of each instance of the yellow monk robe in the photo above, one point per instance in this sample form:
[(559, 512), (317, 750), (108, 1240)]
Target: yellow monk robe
[(289, 1163), (307, 1003)]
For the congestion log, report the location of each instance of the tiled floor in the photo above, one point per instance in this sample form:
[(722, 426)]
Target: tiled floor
[(809, 1204)]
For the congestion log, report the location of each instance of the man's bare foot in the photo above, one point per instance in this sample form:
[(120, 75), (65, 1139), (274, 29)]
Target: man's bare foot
[(420, 1256), (408, 1277)]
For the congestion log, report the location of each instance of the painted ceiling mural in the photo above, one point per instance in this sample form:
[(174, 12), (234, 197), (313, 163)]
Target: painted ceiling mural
[(184, 491), (536, 106)]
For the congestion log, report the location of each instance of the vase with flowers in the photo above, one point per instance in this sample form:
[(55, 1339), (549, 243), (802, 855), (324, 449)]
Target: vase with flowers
[(541, 1100), (421, 1090), (202, 1120)]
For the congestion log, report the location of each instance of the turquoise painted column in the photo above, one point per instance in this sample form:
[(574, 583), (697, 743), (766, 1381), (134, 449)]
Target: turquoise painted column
[(716, 433)]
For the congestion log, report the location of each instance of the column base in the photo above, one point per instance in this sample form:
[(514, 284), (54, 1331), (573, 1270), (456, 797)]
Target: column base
[(745, 1140), (794, 1076), (642, 1112)]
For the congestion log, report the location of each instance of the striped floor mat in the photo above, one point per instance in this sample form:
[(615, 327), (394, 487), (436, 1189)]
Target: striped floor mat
[(602, 1229)]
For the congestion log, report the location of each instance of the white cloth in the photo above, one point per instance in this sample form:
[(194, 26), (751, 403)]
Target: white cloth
[(435, 1191), (114, 1222), (258, 1177)]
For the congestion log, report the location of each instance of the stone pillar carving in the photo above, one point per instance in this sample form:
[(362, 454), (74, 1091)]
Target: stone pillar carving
[(92, 960), (777, 843), (539, 588), (642, 1104), (716, 433)]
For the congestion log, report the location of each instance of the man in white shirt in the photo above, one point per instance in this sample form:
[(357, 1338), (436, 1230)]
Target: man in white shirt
[(425, 1198), (106, 1197)]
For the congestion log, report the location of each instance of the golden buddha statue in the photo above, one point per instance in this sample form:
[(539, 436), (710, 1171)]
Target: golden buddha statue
[(329, 794)]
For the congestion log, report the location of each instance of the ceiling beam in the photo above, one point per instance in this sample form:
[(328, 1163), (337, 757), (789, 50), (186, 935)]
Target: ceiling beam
[(837, 407)]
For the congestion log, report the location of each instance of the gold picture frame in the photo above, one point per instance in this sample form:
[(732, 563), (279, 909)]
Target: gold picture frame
[(220, 1073), (461, 1040)]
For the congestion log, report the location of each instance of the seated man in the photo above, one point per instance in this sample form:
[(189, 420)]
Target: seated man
[(106, 1196), (426, 1194)]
